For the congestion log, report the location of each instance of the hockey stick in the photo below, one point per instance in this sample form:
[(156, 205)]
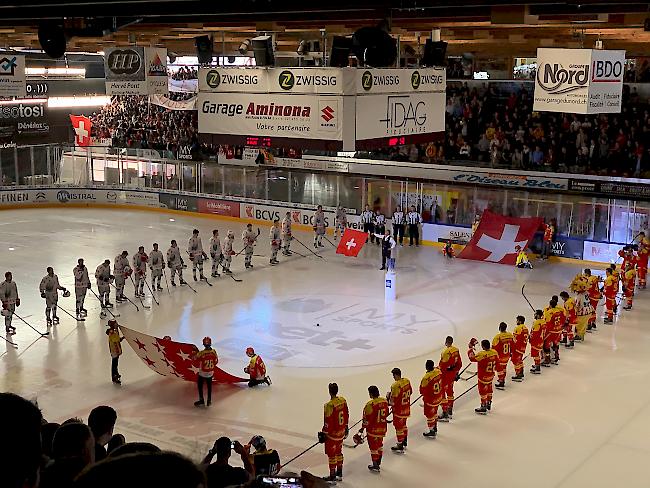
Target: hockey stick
[(136, 290), (315, 254), (78, 319), (105, 309), (527, 301), (301, 454), (10, 342), (43, 334), (189, 286), (325, 236), (151, 291), (166, 282), (206, 281), (128, 299)]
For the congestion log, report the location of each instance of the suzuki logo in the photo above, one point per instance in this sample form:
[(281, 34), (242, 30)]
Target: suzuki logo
[(327, 113)]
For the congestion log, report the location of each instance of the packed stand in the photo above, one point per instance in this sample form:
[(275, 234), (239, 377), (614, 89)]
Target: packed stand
[(184, 73), (36, 453)]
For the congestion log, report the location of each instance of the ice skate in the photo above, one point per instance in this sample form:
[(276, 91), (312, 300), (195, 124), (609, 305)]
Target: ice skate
[(55, 320), (501, 385), (374, 468), (488, 405), (444, 417), (267, 380), (108, 305), (481, 410), (199, 403), (518, 377), (159, 288), (399, 447), (49, 322), (173, 283), (330, 479), (430, 433), (339, 474), (535, 369)]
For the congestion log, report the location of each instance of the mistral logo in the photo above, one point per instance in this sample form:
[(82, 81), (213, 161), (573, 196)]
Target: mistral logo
[(64, 196), (555, 79)]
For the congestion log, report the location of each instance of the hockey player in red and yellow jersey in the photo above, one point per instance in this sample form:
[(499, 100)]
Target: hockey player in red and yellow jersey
[(450, 364), (537, 341), (399, 398), (627, 253), (520, 337), (431, 391), (594, 296), (610, 289), (502, 343), (486, 361), (375, 425), (571, 319), (207, 359), (629, 282), (335, 428), (642, 259)]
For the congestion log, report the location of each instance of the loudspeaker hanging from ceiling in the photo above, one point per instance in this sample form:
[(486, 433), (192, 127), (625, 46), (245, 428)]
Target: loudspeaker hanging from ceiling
[(52, 39), (263, 50), (340, 53), (204, 49), (435, 53), (374, 47)]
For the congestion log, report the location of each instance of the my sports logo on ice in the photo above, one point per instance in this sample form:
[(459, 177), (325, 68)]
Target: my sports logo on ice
[(65, 196)]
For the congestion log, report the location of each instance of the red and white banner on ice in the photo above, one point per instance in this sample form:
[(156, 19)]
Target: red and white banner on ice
[(81, 126), (170, 358), (351, 242), (497, 236)]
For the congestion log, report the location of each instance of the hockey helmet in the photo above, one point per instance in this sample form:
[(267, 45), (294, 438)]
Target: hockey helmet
[(258, 442), (66, 293), (250, 351), (112, 323), (357, 439), (207, 341)]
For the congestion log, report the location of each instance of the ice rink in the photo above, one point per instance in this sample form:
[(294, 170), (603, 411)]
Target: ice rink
[(582, 423)]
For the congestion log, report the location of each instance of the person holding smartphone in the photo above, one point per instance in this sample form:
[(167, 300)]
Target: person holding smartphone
[(220, 473)]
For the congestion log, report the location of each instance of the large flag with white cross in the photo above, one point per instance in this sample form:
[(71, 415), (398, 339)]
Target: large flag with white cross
[(81, 125), (170, 358), (351, 242), (497, 236)]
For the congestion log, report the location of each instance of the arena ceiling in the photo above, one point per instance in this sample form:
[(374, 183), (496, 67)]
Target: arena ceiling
[(481, 27)]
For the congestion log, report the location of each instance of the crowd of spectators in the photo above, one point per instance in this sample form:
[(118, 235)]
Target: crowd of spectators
[(184, 73), (35, 453), (491, 124)]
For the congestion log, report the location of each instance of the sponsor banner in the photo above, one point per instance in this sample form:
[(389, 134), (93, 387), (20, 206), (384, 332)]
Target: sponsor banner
[(142, 198), (179, 202), (585, 81), (219, 207), (446, 233), (292, 116), (250, 155), (380, 116), (15, 197), (185, 86), (13, 82), (601, 252), (400, 80), (331, 81), (505, 180), (611, 188), (299, 216), (562, 80), (163, 101), (22, 119), (606, 86), (185, 152), (126, 71), (156, 70), (564, 247)]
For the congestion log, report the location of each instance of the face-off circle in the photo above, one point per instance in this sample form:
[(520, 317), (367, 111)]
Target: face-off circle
[(351, 330)]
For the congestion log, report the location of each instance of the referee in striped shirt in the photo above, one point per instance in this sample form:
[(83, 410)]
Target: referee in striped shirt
[(414, 219), (398, 224), (367, 219)]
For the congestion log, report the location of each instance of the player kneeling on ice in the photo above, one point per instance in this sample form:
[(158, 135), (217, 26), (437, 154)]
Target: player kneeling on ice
[(486, 361), (522, 259), (256, 369), (49, 289), (207, 359), (115, 349)]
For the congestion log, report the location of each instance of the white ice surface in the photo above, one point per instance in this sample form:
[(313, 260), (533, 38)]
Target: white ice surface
[(583, 423)]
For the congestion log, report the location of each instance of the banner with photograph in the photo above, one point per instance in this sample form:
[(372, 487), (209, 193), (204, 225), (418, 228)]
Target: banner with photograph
[(164, 101)]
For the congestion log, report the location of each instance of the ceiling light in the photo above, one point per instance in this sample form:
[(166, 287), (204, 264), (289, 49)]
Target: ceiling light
[(303, 48), (24, 101), (243, 47), (71, 102)]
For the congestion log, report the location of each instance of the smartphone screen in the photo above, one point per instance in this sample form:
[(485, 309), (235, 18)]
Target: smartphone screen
[(281, 481)]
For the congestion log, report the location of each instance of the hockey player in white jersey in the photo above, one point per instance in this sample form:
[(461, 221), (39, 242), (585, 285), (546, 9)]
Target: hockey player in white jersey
[(286, 235), (319, 227), (81, 285), (341, 222), (227, 251), (175, 262), (215, 253), (157, 263), (197, 255), (140, 260), (122, 271), (49, 289), (274, 236), (104, 280), (248, 238), (10, 300)]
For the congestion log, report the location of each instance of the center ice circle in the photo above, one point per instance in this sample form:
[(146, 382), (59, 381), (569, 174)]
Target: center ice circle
[(329, 330)]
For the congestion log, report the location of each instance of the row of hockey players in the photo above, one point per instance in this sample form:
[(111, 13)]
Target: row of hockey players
[(555, 325), (221, 254), (374, 222)]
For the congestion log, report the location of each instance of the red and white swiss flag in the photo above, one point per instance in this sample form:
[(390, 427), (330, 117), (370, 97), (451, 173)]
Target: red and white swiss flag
[(497, 236), (351, 242), (81, 125)]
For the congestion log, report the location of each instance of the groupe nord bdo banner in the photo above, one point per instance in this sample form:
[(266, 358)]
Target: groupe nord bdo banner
[(581, 81)]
